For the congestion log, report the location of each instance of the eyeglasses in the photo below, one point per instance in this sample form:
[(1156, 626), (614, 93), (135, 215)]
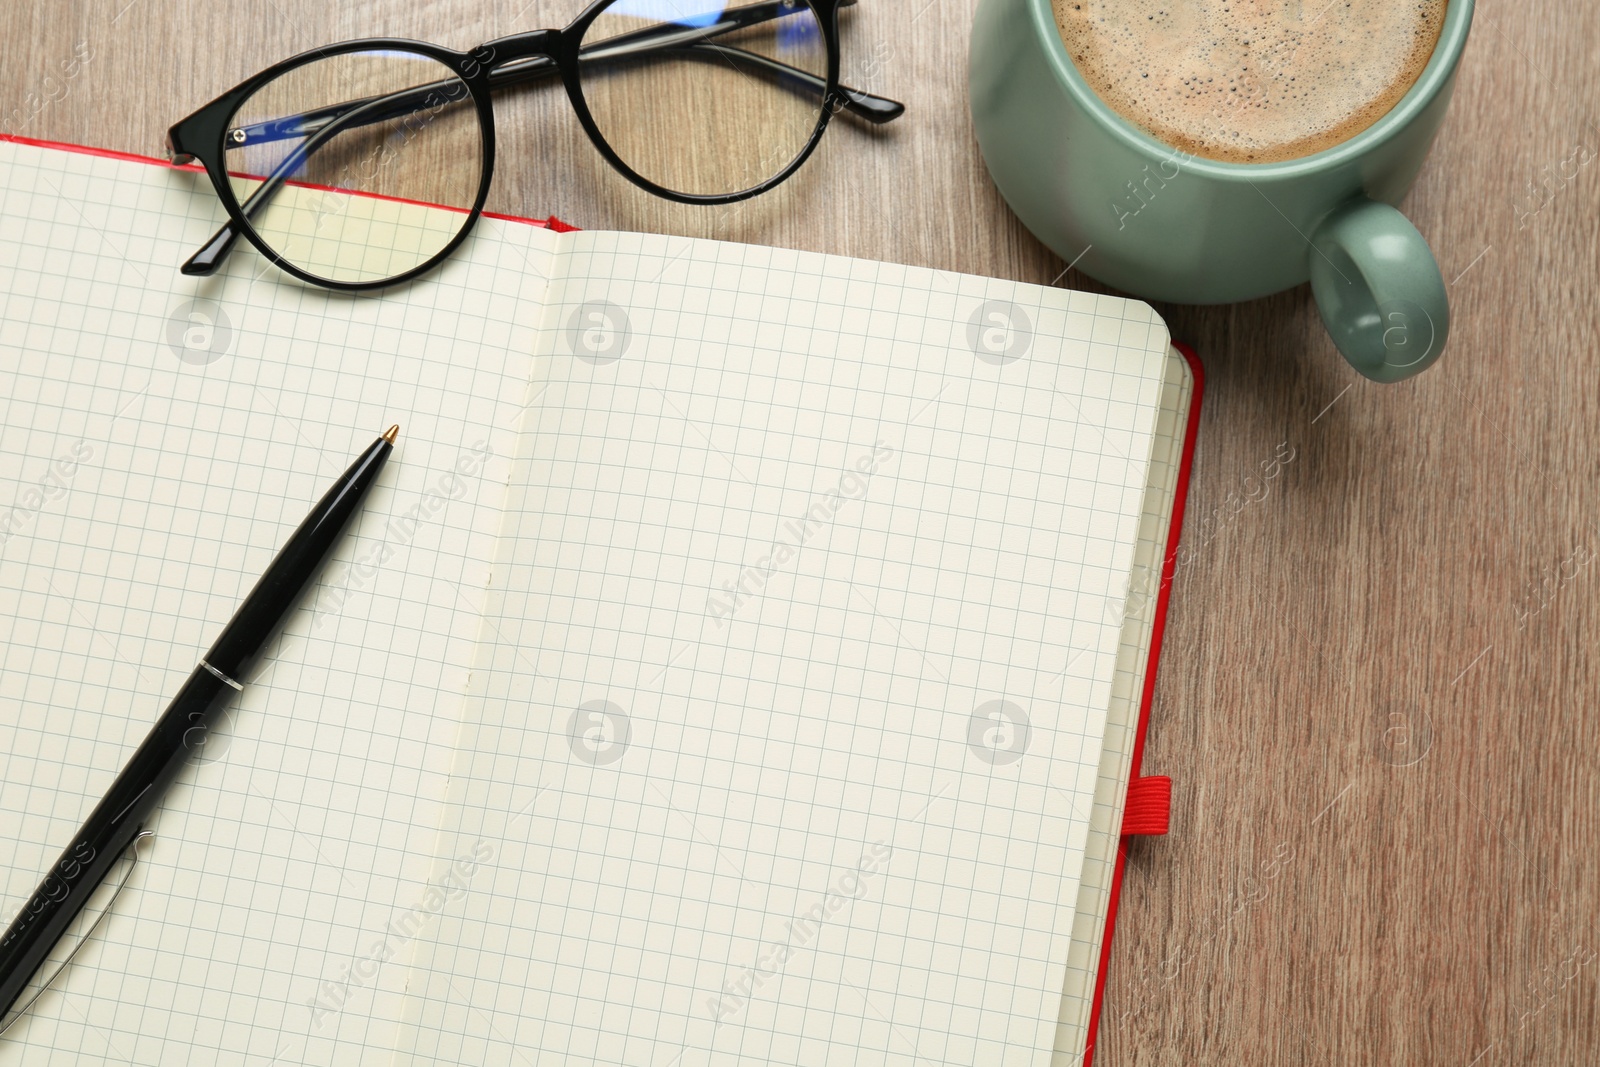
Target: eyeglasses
[(329, 162)]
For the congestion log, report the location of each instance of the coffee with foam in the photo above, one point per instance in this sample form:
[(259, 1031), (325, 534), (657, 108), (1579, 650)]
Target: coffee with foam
[(1251, 81)]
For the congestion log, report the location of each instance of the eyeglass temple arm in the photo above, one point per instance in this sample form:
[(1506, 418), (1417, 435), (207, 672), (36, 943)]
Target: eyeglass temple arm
[(661, 38), (210, 257), (874, 109), (677, 38)]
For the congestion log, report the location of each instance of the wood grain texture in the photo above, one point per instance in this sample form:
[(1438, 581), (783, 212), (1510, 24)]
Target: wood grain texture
[(1333, 890)]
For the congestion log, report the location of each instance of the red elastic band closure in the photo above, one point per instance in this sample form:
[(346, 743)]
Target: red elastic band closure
[(1149, 805)]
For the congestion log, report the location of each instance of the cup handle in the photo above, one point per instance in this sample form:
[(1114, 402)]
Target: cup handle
[(1379, 290)]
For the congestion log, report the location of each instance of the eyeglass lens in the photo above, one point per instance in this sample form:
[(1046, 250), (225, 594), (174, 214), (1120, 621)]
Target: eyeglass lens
[(396, 129), (721, 112)]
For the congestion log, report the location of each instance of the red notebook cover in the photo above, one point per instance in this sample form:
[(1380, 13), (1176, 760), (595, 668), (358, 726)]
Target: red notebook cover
[(1151, 816), (1146, 816)]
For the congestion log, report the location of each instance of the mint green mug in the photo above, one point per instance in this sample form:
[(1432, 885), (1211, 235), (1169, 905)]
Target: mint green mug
[(1163, 224)]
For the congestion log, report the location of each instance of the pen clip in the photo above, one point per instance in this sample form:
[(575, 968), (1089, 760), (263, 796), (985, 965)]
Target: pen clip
[(133, 850)]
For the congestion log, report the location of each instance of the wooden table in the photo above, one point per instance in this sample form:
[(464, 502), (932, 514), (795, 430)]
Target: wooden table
[(1378, 695)]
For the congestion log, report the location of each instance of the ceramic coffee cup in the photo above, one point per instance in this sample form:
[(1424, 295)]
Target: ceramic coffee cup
[(1164, 224)]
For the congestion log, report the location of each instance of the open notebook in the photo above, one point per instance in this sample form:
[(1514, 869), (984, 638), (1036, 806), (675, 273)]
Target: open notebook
[(742, 659)]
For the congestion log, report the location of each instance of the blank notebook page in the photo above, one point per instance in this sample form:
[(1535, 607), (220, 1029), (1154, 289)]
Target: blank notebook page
[(161, 438), (786, 725)]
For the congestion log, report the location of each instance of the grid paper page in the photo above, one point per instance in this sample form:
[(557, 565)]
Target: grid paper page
[(787, 725), (1138, 612), (161, 437)]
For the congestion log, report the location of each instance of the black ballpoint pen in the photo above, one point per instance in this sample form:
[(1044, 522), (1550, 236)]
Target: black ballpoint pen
[(136, 792)]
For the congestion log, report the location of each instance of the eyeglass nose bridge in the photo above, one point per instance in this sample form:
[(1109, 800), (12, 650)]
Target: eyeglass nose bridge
[(519, 46)]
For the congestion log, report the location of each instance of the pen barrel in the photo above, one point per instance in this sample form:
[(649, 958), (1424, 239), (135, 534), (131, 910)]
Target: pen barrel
[(286, 578), (106, 834), (180, 731)]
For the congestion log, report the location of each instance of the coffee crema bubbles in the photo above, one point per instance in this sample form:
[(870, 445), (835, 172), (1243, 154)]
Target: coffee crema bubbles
[(1251, 81)]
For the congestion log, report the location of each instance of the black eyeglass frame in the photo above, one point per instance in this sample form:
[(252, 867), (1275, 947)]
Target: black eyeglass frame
[(202, 135)]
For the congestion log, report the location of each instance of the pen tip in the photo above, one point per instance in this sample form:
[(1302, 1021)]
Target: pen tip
[(391, 433)]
